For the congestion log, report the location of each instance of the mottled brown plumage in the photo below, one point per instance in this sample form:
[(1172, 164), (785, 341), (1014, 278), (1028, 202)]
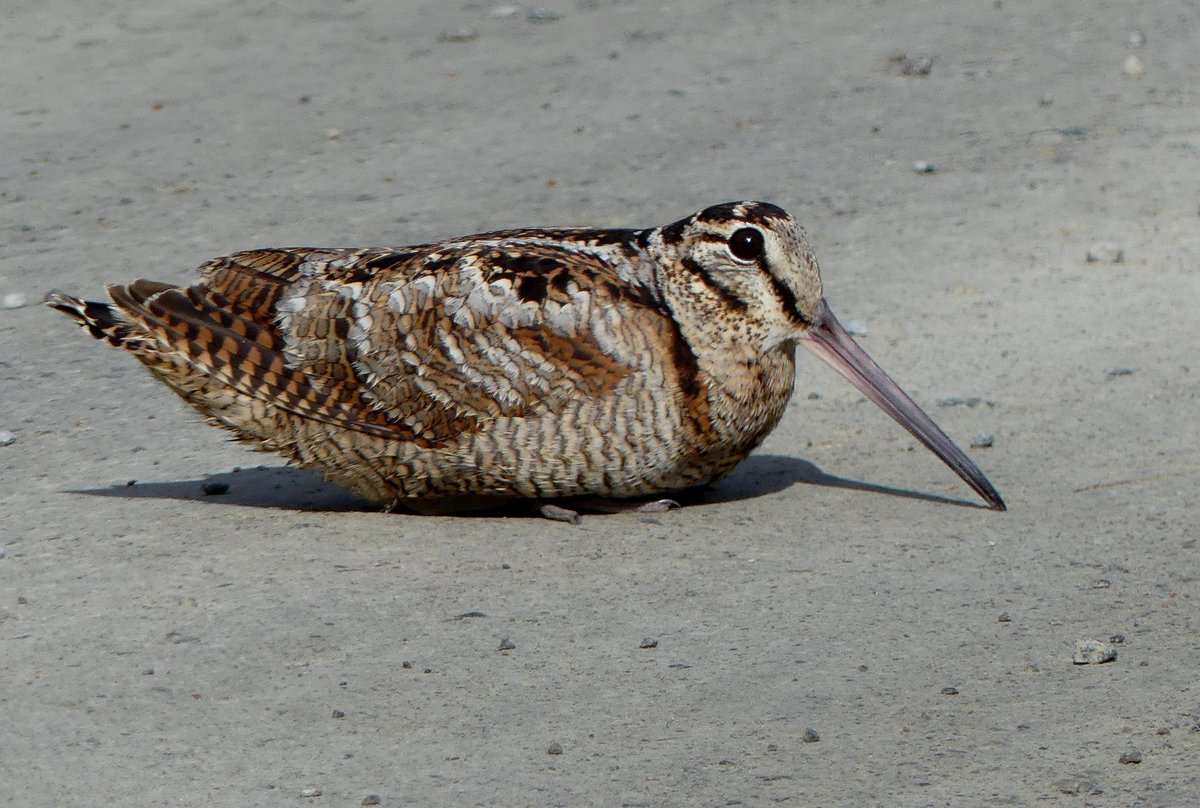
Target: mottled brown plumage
[(536, 364)]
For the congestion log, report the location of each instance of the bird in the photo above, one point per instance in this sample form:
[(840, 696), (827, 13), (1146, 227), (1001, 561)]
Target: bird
[(574, 369)]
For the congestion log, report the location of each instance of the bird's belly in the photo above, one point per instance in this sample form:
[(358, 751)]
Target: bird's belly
[(628, 445), (639, 443)]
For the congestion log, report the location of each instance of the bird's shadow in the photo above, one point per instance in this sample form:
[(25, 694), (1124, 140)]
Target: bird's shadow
[(288, 488)]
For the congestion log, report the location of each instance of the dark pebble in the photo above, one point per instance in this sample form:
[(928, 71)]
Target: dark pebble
[(554, 749), (338, 714), (371, 799), (506, 644), (648, 643), (1132, 756), (949, 691), (810, 736), (213, 489), (916, 64)]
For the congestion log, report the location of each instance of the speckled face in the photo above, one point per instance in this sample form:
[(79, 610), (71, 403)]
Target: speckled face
[(754, 257)]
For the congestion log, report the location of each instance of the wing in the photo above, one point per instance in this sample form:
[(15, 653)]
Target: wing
[(221, 360), (444, 339)]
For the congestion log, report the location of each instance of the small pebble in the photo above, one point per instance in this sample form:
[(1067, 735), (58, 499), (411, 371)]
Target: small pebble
[(949, 691), (1134, 67), (1093, 652), (406, 664), (338, 714), (1136, 39), (969, 402), (649, 642), (1117, 639), (333, 133), (1115, 372), (916, 64), (1045, 101), (214, 489), (772, 747), (856, 328), (554, 749), (464, 34), (536, 14), (1105, 252), (1005, 617), (7, 438), (371, 799), (500, 12), (1132, 756), (506, 644), (923, 167), (310, 792), (982, 440), (15, 300), (1076, 785), (810, 736)]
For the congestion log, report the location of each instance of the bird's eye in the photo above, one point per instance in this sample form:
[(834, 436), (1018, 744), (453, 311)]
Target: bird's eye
[(746, 243)]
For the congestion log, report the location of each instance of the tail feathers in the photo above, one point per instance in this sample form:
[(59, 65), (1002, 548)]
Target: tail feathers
[(218, 360), (102, 320)]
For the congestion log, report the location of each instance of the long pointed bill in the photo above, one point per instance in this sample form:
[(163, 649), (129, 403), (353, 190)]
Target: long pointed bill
[(827, 339)]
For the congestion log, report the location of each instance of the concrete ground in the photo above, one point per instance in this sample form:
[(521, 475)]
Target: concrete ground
[(839, 624)]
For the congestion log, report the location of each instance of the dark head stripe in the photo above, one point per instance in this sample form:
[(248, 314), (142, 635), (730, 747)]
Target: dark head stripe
[(696, 268)]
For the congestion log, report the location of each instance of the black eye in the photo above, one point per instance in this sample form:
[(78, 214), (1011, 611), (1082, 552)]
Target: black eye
[(746, 243)]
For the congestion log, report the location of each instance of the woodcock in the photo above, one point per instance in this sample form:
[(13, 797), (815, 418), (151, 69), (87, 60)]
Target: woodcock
[(605, 369)]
